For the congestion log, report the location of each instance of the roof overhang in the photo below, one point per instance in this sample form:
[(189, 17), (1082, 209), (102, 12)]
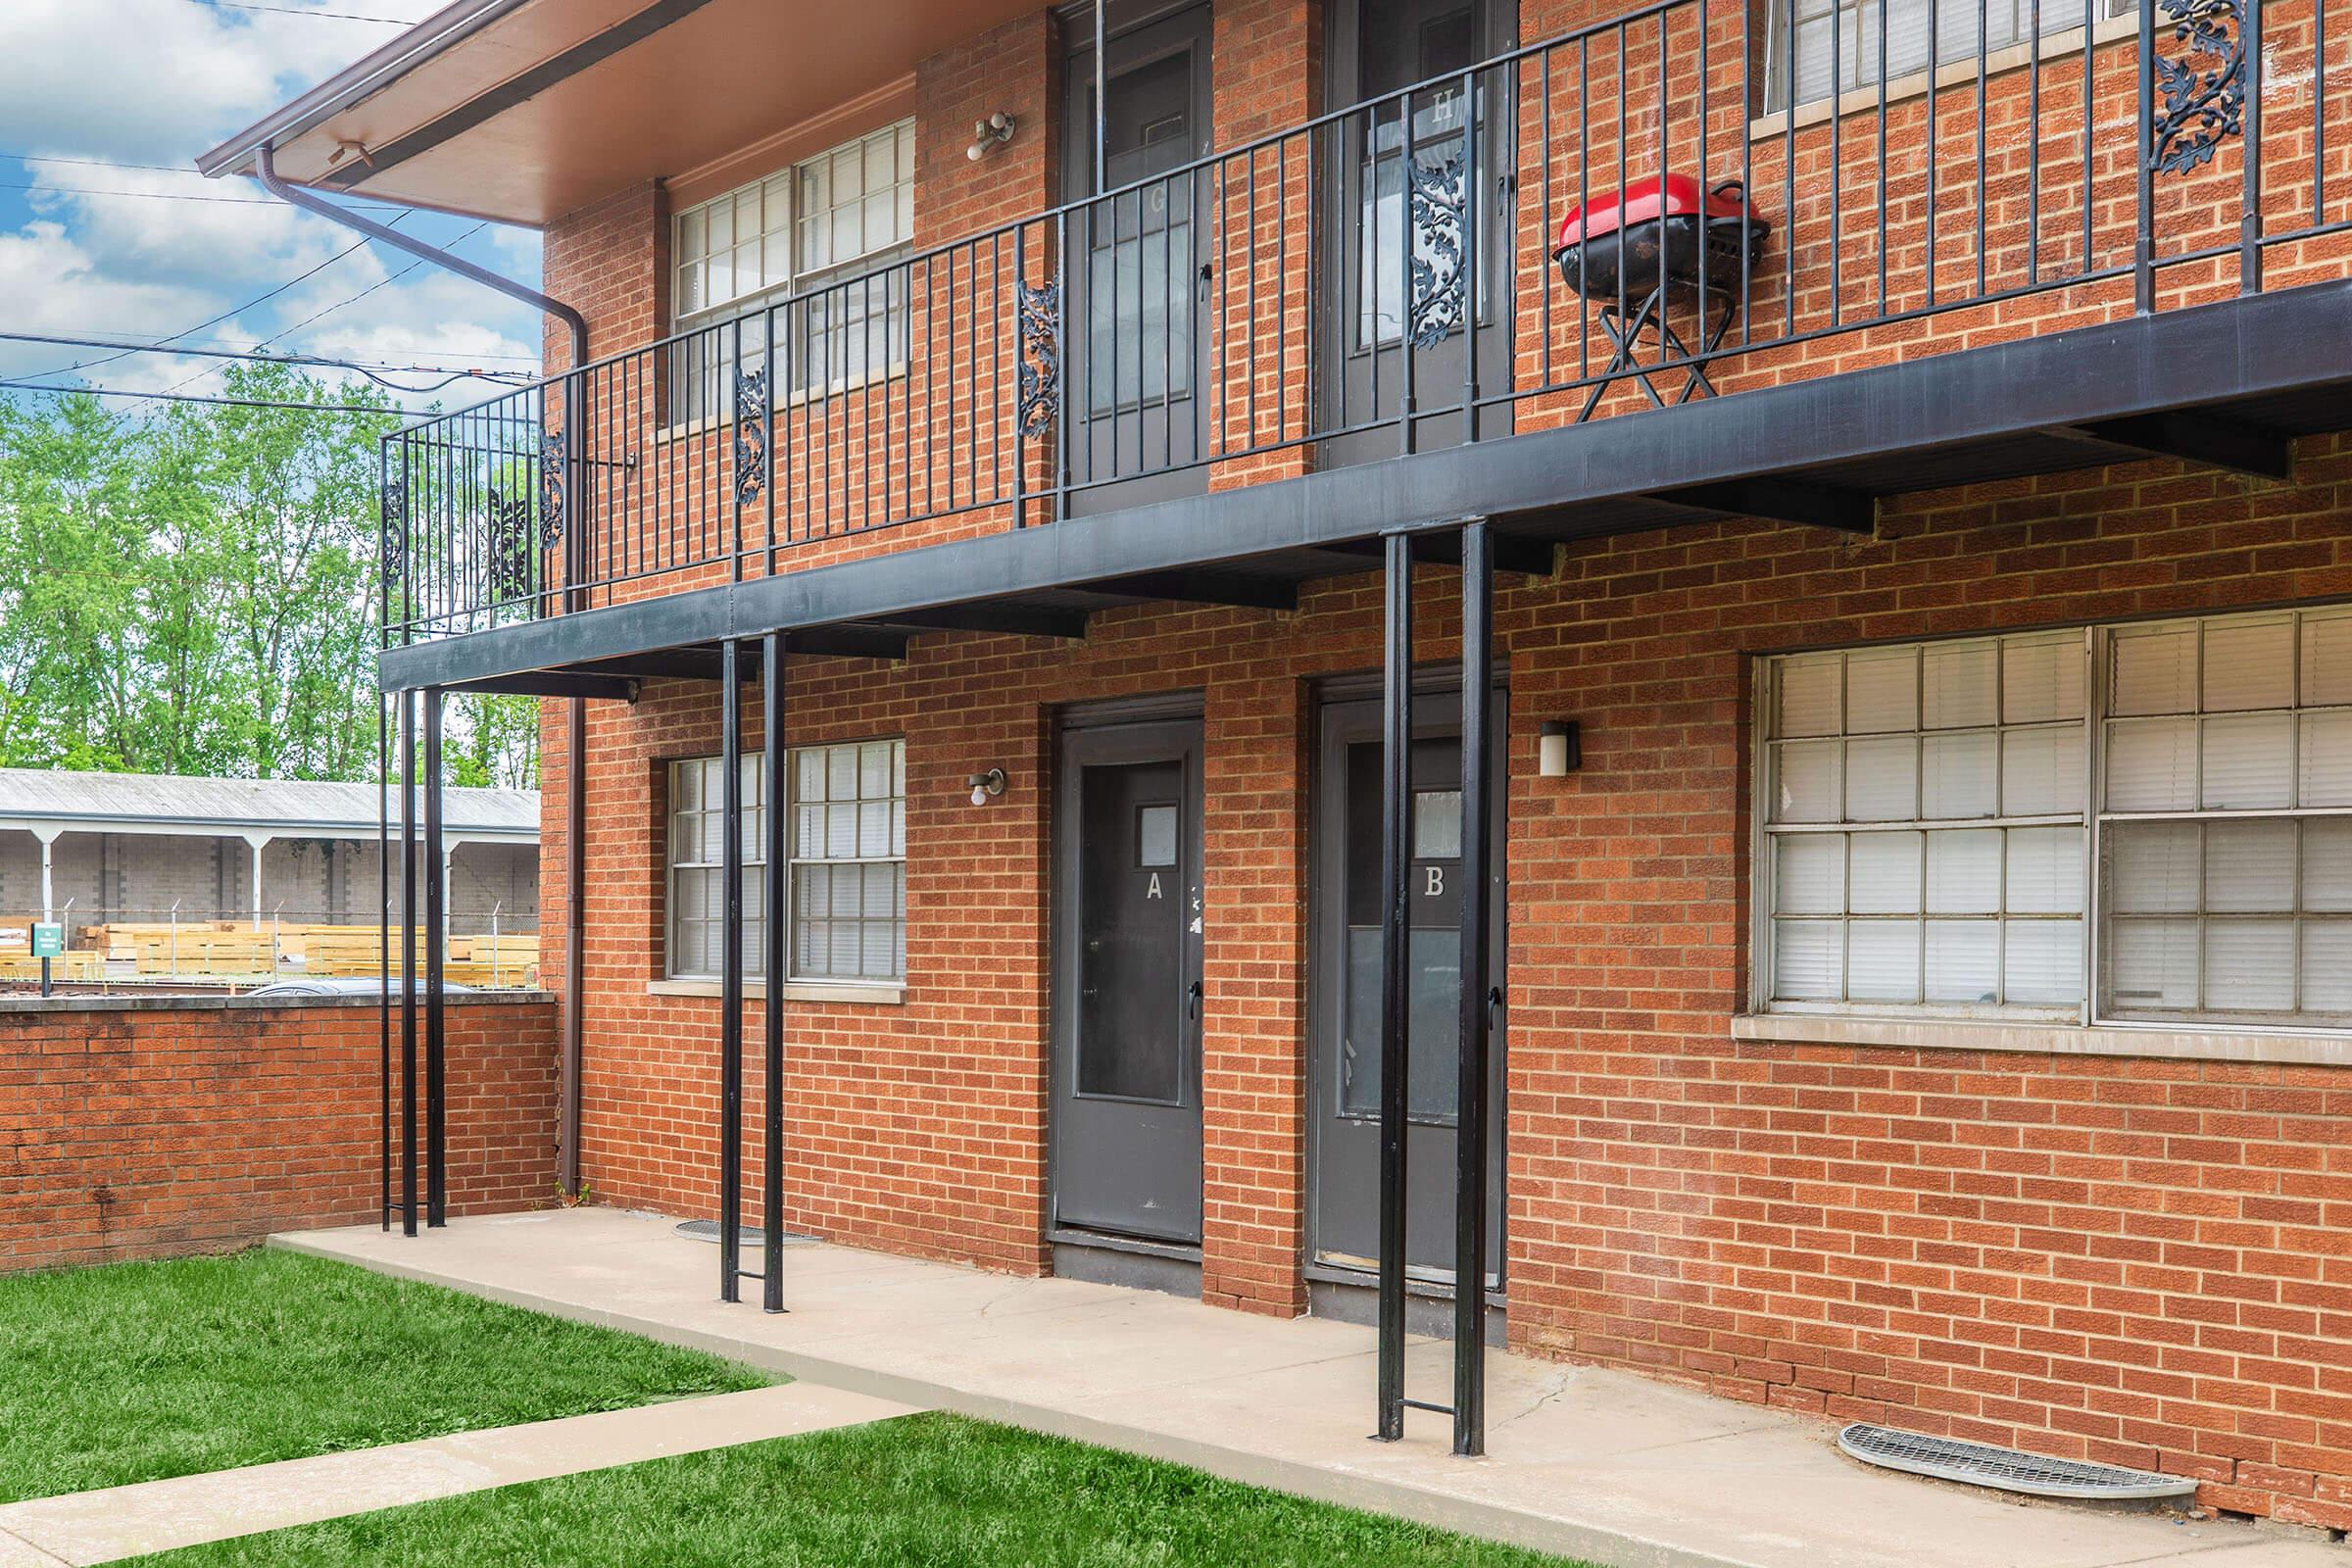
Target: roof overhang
[(524, 110)]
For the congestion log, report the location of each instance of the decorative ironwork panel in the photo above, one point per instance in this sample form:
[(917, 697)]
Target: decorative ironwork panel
[(1041, 358), (1438, 306), (2201, 108), (392, 530), (551, 486), (512, 549), (751, 435)]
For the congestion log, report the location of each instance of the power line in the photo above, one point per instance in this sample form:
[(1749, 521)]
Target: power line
[(180, 196), (454, 373), (102, 162), (302, 11), (190, 397)]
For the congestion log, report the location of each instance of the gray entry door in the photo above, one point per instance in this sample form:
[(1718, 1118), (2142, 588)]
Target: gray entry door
[(1345, 969), (1126, 1104)]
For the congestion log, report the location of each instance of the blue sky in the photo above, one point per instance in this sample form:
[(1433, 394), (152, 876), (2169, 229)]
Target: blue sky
[(116, 84)]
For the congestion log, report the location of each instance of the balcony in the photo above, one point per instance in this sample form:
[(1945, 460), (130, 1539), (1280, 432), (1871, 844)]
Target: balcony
[(1379, 283)]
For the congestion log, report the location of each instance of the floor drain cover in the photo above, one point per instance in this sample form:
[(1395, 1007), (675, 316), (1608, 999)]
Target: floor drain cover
[(751, 1235), (1984, 1465)]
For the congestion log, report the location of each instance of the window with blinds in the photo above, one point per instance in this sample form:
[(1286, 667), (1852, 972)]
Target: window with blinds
[(1957, 828), (846, 878), (1857, 42)]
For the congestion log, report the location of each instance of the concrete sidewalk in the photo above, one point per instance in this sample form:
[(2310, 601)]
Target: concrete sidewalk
[(92, 1527), (1587, 1462)]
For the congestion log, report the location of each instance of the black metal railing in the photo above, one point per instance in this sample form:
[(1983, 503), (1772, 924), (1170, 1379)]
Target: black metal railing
[(1381, 279)]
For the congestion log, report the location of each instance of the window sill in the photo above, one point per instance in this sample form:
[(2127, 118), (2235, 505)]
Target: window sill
[(1955, 73), (801, 398), (888, 996), (2313, 1049)]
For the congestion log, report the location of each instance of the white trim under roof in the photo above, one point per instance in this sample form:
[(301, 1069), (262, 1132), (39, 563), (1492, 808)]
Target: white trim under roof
[(48, 802)]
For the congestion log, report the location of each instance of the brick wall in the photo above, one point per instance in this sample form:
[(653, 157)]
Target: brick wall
[(154, 1127)]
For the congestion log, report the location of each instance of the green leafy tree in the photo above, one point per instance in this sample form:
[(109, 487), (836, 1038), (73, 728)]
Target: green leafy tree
[(196, 591)]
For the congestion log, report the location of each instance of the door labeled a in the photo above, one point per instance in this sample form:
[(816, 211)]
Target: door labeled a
[(1126, 1104)]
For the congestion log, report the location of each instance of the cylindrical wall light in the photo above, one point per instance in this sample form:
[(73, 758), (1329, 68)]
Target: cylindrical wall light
[(1559, 749)]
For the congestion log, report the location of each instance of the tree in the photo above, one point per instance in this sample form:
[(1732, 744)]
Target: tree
[(196, 591)]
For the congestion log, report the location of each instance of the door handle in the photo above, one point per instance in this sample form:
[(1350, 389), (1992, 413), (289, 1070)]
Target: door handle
[(1494, 1009), (1191, 1002)]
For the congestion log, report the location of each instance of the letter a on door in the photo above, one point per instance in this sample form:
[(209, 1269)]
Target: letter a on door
[(1153, 892)]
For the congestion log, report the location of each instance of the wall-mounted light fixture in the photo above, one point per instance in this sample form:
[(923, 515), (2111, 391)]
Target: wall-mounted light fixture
[(989, 135), (985, 785), (1559, 749)]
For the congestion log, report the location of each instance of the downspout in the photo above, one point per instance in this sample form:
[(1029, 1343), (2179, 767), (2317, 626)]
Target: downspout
[(575, 781)]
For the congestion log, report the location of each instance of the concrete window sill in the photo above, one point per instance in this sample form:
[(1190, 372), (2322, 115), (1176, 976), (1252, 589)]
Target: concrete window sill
[(2313, 1049), (793, 990)]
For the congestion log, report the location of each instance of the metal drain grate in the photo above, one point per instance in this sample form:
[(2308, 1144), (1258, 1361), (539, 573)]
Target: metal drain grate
[(752, 1238), (1982, 1464)]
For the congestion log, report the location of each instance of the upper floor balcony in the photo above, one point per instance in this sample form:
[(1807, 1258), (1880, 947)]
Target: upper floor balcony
[(1692, 200)]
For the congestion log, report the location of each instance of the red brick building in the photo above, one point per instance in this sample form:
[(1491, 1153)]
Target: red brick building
[(1918, 778)]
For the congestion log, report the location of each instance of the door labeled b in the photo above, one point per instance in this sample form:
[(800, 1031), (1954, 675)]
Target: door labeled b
[(1127, 983)]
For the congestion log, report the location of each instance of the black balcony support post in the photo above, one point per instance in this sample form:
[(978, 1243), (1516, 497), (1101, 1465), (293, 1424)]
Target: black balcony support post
[(383, 946), (772, 822), (730, 972), (408, 963), (2143, 238), (436, 952), (1480, 998), (2249, 233), (1102, 104), (1395, 800)]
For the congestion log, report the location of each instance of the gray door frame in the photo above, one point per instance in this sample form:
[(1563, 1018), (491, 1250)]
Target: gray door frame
[(1151, 730), (1436, 714)]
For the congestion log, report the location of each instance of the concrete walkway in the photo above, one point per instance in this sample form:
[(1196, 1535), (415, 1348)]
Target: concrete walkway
[(1591, 1463), (91, 1527)]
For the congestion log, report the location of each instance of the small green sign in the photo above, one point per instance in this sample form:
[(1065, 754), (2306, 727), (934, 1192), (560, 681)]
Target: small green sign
[(48, 939)]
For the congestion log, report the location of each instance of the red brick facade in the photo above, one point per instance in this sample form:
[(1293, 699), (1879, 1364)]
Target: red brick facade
[(151, 1128), (2133, 1258)]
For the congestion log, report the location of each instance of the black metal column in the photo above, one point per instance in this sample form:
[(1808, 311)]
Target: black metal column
[(383, 946), (407, 978), (1480, 998), (730, 984), (1396, 800), (773, 820), (436, 954)]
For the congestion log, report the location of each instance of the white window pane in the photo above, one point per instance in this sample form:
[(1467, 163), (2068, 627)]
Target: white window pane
[(2328, 863), (873, 830), (2327, 657), (1810, 695), (841, 774), (845, 945), (1964, 960), (2041, 679), (693, 239), (2327, 770), (1884, 961), (1959, 681), (2249, 664), (2155, 670), (2327, 966), (2250, 762), (2250, 867), (841, 831), (2152, 867), (2250, 965), (1885, 872), (1808, 961), (812, 775), (1809, 874), (848, 899), (808, 833), (879, 960), (2041, 960), (874, 770), (2154, 964), (898, 827), (1881, 690), (1960, 775), (1808, 782), (2044, 870), (1964, 872), (2152, 766), (1882, 779), (2041, 772)]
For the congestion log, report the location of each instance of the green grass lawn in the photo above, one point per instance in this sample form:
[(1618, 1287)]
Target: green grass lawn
[(921, 1492), (139, 1371)]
